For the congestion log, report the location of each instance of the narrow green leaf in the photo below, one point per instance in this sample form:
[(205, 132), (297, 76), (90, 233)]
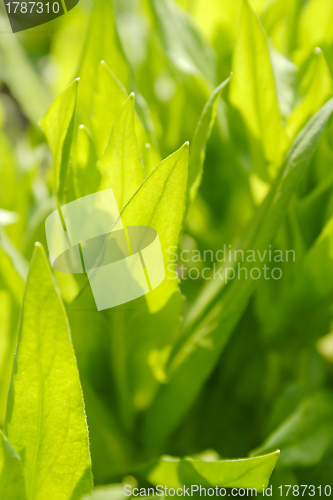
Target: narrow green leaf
[(45, 419), (11, 473), (86, 178), (121, 164), (23, 81), (305, 435), (160, 204), (109, 98), (318, 89), (253, 90), (316, 25), (285, 73), (245, 473), (111, 450), (13, 267), (183, 43), (281, 21), (102, 44), (5, 350), (219, 307), (58, 126), (200, 138)]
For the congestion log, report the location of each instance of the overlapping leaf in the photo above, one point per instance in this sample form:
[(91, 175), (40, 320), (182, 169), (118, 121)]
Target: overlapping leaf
[(11, 473), (253, 89), (203, 346), (58, 126)]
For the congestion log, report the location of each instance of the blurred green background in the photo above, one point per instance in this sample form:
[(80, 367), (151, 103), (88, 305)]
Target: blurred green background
[(270, 385)]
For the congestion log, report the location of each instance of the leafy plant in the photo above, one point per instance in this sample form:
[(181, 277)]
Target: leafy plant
[(216, 131)]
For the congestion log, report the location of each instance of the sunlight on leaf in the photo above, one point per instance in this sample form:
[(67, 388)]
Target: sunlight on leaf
[(11, 473), (160, 204), (58, 126), (45, 419), (253, 89), (121, 165), (244, 473)]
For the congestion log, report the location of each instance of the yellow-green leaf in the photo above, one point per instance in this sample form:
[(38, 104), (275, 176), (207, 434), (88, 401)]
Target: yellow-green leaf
[(58, 126), (160, 204), (109, 98), (244, 473), (11, 473), (253, 89), (121, 164), (45, 418), (317, 90), (102, 44), (200, 138)]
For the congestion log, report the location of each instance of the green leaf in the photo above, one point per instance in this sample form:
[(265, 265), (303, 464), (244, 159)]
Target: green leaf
[(19, 74), (253, 90), (11, 473), (305, 435), (86, 176), (244, 473), (200, 138), (281, 20), (109, 98), (6, 356), (318, 89), (102, 44), (219, 307), (13, 267), (183, 43), (285, 73), (121, 164), (45, 419), (315, 25), (58, 126), (160, 203), (111, 450)]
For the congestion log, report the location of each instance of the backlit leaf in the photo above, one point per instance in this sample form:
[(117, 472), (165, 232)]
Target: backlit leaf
[(121, 164), (305, 435), (253, 89), (58, 126), (11, 472), (244, 473), (215, 319), (45, 419), (102, 44), (160, 204), (200, 138)]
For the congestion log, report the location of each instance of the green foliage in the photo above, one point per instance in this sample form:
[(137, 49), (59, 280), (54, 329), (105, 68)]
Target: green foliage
[(257, 100), (248, 473), (240, 364), (58, 126), (45, 394), (11, 474), (121, 165)]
